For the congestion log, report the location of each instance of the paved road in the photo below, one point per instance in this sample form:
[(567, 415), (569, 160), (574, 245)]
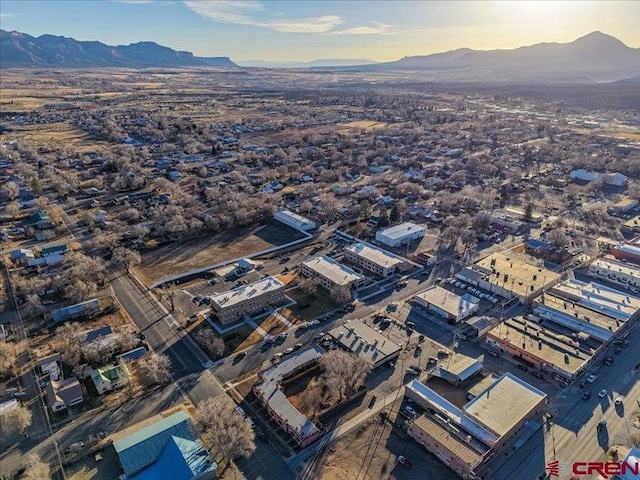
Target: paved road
[(573, 436)]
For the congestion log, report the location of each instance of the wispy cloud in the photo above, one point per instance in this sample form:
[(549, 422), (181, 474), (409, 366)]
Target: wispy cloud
[(7, 15), (243, 13), (377, 29), (134, 1)]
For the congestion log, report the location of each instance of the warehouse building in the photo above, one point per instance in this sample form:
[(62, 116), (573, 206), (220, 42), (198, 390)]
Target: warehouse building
[(269, 393), (509, 276), (373, 259), (366, 342), (333, 276), (400, 234), (233, 305), (628, 253), (625, 206), (618, 272), (547, 347), (446, 304), (466, 438), (458, 369), (294, 220)]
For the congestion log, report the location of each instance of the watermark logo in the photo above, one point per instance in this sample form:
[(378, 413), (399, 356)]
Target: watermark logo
[(604, 469), (553, 468)]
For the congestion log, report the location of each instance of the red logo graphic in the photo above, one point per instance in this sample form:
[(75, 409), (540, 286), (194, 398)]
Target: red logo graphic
[(553, 468)]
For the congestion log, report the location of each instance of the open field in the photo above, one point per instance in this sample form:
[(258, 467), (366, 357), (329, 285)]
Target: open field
[(59, 133), (367, 125), (182, 257), (308, 305)]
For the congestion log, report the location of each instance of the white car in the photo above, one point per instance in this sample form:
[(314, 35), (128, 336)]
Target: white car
[(289, 350), (409, 409), (618, 401), (591, 378), (311, 323), (241, 411), (602, 393)]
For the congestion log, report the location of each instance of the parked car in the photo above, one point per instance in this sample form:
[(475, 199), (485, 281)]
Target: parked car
[(591, 378), (241, 411), (297, 346), (602, 393), (319, 335), (602, 424), (409, 409), (411, 371), (522, 367), (618, 401), (586, 395), (433, 360), (410, 325), (404, 461)]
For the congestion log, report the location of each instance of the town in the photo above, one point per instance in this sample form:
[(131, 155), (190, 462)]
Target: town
[(288, 275)]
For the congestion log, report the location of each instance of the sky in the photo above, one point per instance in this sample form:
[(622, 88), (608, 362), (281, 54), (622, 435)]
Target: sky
[(310, 30)]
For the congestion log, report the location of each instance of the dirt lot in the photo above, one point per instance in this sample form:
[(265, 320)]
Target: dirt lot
[(89, 469), (272, 325), (237, 339), (182, 257), (370, 451)]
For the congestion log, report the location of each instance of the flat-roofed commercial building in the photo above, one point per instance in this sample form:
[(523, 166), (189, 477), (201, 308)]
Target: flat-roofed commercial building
[(616, 304), (550, 349), (400, 234), (446, 304), (294, 220), (359, 338), (621, 273), (625, 205), (630, 253), (465, 438), (332, 275), (373, 259), (281, 410), (458, 368), (246, 300), (510, 276)]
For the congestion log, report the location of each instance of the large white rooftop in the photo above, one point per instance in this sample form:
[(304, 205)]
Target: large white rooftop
[(619, 267), (595, 296), (336, 272), (448, 301), (504, 404), (402, 230), (376, 255), (246, 292)]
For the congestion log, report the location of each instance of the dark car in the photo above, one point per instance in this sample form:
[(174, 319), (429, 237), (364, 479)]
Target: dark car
[(586, 395), (410, 325), (537, 374), (524, 368)]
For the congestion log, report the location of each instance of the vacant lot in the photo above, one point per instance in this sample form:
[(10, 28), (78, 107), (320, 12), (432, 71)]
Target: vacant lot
[(237, 339), (370, 451), (89, 469), (182, 257), (309, 305)]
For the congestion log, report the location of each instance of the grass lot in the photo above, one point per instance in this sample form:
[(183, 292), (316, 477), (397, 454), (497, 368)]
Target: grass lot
[(237, 339), (181, 257), (61, 133), (368, 125), (308, 306)]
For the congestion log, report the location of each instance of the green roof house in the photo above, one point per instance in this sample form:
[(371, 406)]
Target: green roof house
[(110, 377)]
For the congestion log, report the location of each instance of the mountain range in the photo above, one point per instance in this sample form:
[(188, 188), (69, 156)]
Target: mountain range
[(22, 50), (596, 57)]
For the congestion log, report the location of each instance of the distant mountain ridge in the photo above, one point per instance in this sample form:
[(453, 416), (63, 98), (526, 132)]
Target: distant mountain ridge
[(22, 50), (325, 62), (596, 57)]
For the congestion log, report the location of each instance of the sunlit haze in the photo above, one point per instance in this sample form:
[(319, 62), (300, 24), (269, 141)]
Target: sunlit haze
[(302, 31)]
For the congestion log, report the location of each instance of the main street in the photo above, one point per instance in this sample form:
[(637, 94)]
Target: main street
[(572, 435)]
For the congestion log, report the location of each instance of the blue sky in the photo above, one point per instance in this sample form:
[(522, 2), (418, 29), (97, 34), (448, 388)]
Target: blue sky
[(308, 30)]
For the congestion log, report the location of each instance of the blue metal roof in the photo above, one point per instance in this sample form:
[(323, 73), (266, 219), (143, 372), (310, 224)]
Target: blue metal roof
[(181, 459), (535, 243)]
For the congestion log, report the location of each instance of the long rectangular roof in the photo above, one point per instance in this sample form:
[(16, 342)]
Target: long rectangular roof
[(334, 271), (246, 292), (275, 397), (376, 255), (504, 404), (448, 301), (363, 340), (402, 230), (628, 269), (600, 298)]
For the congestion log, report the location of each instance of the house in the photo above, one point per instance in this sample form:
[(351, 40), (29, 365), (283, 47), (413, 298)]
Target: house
[(625, 206), (174, 175), (76, 311), (110, 377), (164, 447), (21, 256), (54, 250), (64, 393), (40, 220), (50, 365), (131, 355)]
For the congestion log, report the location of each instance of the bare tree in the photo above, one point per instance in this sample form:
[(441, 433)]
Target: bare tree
[(210, 343), (344, 372), (10, 190), (153, 369), (68, 339), (341, 295), (12, 209), (15, 422), (224, 430), (36, 469), (308, 285), (127, 257), (7, 360)]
